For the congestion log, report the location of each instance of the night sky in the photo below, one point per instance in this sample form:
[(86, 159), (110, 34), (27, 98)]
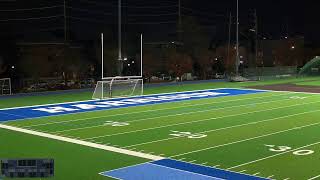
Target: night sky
[(86, 18)]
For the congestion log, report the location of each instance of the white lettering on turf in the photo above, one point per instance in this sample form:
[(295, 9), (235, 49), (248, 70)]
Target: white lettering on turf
[(125, 102)]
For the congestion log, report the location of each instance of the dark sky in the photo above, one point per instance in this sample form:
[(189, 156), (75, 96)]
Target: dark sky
[(86, 18)]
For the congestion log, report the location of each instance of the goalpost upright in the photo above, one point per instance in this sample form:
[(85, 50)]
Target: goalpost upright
[(109, 84), (103, 63)]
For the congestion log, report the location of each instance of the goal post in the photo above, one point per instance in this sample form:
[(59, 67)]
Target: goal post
[(118, 87), (117, 84), (5, 86), (106, 75)]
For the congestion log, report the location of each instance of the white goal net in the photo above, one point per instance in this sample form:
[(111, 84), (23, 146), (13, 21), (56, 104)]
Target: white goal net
[(5, 86), (118, 87)]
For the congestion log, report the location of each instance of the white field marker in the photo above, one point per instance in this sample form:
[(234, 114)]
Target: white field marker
[(83, 143)]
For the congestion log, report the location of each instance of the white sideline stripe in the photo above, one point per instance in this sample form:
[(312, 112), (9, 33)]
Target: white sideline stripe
[(27, 118), (201, 120), (221, 169), (279, 154), (83, 143), (256, 173), (89, 100), (249, 139), (291, 92), (177, 107), (215, 178), (174, 115), (315, 177), (230, 127), (270, 176)]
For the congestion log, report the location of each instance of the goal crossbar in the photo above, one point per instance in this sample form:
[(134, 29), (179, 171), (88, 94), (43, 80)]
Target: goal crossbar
[(118, 87)]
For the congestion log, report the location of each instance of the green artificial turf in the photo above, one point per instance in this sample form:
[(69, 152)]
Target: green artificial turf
[(308, 83), (80, 96), (71, 161), (235, 131)]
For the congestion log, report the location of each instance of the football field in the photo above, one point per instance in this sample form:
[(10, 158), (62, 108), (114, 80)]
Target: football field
[(268, 134)]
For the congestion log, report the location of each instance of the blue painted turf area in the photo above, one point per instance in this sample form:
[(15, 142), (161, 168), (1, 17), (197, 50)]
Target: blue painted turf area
[(168, 169), (96, 105)]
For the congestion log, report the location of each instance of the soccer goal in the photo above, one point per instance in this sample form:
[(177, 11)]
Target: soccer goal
[(118, 87), (5, 86)]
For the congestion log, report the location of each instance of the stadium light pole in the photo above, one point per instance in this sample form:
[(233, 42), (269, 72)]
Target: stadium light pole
[(119, 31), (237, 46)]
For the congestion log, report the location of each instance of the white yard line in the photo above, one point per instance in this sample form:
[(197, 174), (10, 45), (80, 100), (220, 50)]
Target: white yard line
[(201, 120), (174, 115), (84, 143), (279, 154), (229, 127), (244, 140), (155, 110), (315, 177)]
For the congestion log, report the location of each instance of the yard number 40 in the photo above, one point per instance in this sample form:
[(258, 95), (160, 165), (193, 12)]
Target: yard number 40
[(275, 148), (116, 124), (187, 134)]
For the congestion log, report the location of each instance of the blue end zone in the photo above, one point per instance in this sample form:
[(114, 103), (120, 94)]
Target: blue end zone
[(168, 169), (87, 106)]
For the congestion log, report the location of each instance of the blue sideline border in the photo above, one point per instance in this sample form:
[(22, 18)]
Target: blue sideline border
[(21, 113), (170, 169)]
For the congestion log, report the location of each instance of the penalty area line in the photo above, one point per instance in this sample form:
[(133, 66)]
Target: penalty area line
[(84, 143)]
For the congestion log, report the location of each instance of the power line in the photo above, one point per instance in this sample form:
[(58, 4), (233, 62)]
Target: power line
[(89, 11), (114, 14), (87, 19), (26, 19), (30, 9), (163, 22), (148, 15), (203, 13), (127, 6)]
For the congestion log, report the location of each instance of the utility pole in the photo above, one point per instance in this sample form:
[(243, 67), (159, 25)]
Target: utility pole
[(256, 36), (65, 21), (179, 21), (229, 37), (179, 12), (237, 46), (119, 31)]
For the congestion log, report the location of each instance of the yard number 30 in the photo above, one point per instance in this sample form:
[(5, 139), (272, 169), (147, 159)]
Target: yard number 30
[(275, 148)]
